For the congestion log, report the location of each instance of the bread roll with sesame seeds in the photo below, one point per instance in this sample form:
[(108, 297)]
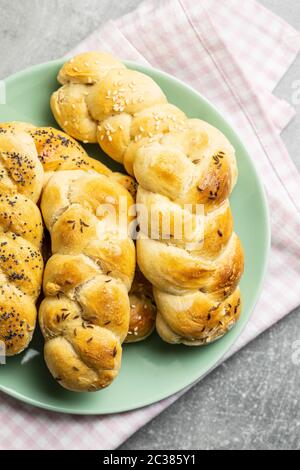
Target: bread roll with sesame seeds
[(21, 233), (179, 164)]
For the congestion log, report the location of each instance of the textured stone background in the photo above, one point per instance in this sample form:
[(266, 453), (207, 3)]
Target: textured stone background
[(250, 402)]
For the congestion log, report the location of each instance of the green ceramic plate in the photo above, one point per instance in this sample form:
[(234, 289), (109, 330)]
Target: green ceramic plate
[(151, 370)]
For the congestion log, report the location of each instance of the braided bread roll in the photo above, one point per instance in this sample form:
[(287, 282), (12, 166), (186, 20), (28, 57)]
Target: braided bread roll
[(21, 233), (85, 315), (176, 161), (58, 152)]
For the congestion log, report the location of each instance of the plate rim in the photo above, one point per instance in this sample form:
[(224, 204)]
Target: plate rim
[(259, 285)]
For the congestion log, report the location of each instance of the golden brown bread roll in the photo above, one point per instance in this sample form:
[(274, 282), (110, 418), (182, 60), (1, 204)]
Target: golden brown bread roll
[(177, 162), (85, 315), (21, 233)]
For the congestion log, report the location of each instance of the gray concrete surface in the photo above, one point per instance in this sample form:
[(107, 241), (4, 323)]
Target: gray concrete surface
[(250, 402)]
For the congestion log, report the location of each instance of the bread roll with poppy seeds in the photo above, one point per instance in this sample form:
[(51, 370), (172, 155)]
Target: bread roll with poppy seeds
[(21, 233)]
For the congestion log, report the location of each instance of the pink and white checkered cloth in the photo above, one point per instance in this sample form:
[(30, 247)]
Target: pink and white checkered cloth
[(234, 53)]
